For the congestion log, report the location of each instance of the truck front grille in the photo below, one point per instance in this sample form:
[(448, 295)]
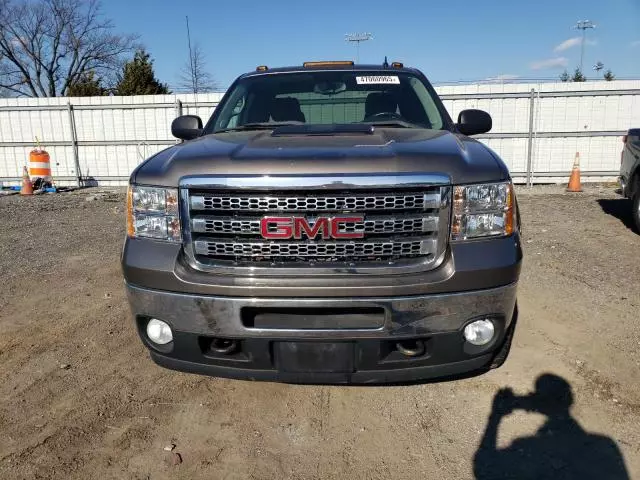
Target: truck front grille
[(397, 228)]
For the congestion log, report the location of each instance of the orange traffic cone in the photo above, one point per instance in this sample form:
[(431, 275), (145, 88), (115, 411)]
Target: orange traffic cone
[(27, 186), (574, 179)]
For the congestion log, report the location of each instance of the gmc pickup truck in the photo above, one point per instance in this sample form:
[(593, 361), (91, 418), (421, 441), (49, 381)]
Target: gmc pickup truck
[(630, 172), (329, 224)]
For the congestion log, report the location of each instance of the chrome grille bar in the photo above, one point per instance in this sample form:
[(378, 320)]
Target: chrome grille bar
[(317, 202), (372, 224), (373, 181), (253, 249)]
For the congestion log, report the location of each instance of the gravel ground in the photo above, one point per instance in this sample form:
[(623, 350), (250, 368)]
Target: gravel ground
[(79, 397)]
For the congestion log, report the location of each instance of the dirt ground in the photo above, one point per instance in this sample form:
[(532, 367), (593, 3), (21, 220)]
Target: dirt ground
[(80, 399)]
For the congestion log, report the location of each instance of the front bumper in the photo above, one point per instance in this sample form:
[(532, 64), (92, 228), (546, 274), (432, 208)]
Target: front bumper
[(622, 183), (436, 321)]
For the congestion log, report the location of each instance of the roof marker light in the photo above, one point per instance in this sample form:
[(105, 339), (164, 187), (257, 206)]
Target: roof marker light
[(342, 63)]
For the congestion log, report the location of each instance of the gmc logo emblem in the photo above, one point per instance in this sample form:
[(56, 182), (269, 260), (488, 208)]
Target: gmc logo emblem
[(294, 227)]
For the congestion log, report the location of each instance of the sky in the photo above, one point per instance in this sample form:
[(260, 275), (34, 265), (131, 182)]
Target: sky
[(449, 41)]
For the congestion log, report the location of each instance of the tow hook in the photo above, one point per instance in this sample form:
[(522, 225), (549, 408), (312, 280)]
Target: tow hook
[(224, 346), (411, 348)]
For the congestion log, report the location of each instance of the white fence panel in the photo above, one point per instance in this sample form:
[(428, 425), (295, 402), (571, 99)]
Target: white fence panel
[(510, 115), (12, 159), (597, 154), (25, 126), (513, 152)]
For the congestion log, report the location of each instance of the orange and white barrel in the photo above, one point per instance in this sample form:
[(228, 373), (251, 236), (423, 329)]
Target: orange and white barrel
[(39, 164)]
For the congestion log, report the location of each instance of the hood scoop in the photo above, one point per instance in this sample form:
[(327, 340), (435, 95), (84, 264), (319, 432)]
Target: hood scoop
[(315, 130)]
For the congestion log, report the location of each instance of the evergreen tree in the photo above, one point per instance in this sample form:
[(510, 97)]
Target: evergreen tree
[(578, 76), (138, 78), (565, 77), (609, 76), (88, 85)]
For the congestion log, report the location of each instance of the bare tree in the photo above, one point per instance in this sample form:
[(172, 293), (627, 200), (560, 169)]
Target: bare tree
[(48, 45), (194, 77)]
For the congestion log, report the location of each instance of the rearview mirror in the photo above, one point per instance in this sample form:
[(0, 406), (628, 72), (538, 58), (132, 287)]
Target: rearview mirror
[(329, 88), (186, 127), (474, 122)]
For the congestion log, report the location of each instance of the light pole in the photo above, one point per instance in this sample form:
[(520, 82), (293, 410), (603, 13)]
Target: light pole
[(583, 25), (357, 38)]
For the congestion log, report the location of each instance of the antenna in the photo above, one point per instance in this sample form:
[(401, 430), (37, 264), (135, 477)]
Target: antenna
[(583, 25), (193, 74), (358, 38)]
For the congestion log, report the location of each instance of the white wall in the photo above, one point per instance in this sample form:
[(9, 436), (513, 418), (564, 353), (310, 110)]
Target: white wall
[(116, 133)]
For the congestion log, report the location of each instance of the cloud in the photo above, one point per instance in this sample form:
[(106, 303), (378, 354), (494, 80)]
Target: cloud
[(636, 43), (556, 62), (572, 42), (505, 77)]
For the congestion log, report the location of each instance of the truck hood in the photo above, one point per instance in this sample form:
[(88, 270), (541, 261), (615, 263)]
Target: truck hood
[(387, 150)]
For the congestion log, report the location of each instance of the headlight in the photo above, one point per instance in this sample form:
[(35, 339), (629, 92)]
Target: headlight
[(486, 210), (152, 212)]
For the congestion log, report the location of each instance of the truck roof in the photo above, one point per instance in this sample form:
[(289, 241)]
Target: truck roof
[(331, 68)]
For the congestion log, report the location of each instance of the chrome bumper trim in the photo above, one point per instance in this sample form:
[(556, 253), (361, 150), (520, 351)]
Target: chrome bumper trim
[(320, 182)]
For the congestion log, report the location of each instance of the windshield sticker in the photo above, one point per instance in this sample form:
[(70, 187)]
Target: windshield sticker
[(378, 79)]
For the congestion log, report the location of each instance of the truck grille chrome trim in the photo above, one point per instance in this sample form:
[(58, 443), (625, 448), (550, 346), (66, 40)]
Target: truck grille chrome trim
[(374, 181), (405, 226), (372, 224), (220, 247), (316, 203)]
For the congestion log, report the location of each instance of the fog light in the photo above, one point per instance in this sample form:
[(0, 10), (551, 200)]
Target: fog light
[(159, 332), (479, 332)]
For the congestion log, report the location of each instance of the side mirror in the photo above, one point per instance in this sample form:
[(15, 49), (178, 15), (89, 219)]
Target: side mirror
[(473, 122), (186, 127)]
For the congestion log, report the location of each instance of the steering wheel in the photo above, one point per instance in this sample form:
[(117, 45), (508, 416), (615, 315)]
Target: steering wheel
[(388, 115)]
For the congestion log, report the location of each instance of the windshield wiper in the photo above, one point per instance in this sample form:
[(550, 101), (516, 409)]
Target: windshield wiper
[(259, 126), (395, 123)]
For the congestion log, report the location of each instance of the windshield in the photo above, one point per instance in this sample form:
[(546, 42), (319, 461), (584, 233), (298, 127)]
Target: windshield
[(395, 99)]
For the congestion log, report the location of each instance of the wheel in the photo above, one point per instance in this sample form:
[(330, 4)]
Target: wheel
[(635, 209)]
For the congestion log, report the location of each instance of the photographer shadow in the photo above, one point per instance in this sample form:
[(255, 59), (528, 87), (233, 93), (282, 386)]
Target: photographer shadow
[(560, 449)]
